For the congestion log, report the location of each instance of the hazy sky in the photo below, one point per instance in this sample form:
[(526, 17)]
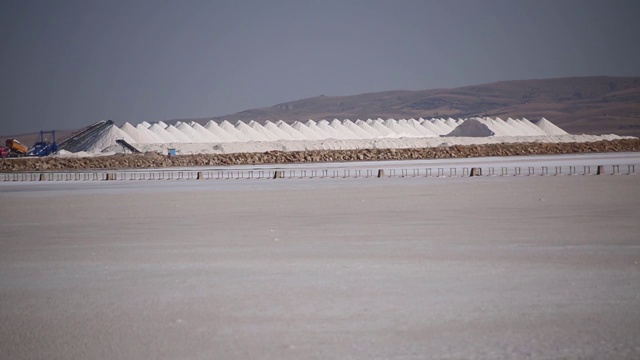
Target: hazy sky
[(67, 64)]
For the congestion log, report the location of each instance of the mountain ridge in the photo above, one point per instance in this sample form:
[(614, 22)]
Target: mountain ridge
[(590, 105), (580, 105)]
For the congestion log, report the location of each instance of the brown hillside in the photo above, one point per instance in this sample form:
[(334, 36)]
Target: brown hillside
[(582, 105), (590, 105)]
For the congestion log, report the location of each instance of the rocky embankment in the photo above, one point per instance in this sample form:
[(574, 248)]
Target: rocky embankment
[(154, 160)]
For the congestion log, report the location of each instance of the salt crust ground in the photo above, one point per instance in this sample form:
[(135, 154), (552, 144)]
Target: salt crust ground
[(486, 268), (335, 144)]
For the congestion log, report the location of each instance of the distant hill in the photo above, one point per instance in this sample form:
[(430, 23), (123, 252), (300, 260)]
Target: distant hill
[(579, 105), (589, 105)]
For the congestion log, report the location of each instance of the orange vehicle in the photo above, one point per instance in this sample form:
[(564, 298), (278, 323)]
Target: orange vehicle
[(17, 147)]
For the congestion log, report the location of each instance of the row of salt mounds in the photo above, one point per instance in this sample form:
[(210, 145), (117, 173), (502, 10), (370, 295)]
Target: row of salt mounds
[(212, 132), (483, 127)]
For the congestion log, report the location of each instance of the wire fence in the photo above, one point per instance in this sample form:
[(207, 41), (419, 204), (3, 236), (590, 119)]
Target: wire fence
[(439, 172)]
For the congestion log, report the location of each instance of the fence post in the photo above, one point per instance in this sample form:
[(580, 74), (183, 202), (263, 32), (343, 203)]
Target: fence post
[(600, 170), (381, 173), (476, 171)]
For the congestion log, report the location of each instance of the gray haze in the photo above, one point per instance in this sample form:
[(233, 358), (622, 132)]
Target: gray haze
[(67, 64)]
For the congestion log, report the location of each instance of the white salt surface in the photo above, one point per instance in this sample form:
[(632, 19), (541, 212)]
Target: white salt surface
[(369, 269), (380, 143)]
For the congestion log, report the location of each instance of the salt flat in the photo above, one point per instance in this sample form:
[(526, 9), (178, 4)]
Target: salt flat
[(487, 268)]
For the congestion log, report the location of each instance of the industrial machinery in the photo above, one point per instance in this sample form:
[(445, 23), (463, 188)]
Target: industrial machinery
[(16, 148), (44, 146)]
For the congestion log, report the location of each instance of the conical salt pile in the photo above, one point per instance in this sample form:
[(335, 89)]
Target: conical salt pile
[(179, 135), (265, 134), (280, 135), (235, 133), (549, 128), (162, 133)]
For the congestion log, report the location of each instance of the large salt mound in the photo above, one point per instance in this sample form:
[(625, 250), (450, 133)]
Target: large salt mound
[(517, 128), (304, 130), (193, 135), (421, 130), (502, 127), (235, 133), (407, 128), (450, 122), (337, 125), (327, 128), (440, 123), (147, 136), (379, 127), (357, 130), (295, 134), (106, 139), (281, 135), (162, 133), (398, 129), (179, 135), (431, 127), (549, 128), (313, 126), (206, 135), (249, 132), (368, 128), (533, 128), (219, 133), (265, 133), (477, 127), (132, 132)]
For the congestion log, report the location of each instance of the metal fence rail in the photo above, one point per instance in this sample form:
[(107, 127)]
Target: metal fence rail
[(436, 172)]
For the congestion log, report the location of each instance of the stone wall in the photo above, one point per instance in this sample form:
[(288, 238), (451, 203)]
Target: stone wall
[(154, 160)]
